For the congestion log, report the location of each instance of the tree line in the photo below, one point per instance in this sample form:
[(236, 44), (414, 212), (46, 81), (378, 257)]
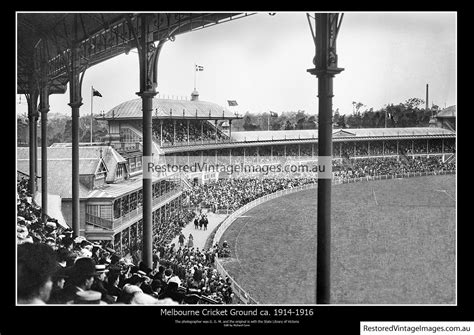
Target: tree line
[(60, 129), (410, 113)]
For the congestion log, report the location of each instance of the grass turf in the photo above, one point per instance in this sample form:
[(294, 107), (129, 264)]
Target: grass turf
[(392, 242)]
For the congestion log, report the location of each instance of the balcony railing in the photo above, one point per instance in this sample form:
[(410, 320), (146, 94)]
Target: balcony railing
[(190, 143), (98, 221), (126, 218)]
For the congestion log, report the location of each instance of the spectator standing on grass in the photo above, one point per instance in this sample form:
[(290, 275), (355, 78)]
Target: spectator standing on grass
[(201, 222), (190, 241), (36, 264), (206, 222), (196, 222)]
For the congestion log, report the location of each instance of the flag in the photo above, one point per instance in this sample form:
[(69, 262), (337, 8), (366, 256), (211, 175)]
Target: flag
[(199, 68), (232, 102), (273, 114), (96, 93)]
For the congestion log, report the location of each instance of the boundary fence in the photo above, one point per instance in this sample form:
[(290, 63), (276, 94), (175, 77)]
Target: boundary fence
[(236, 288)]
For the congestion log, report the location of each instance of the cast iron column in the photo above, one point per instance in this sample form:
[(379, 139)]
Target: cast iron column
[(148, 55), (75, 81), (44, 109), (32, 99), (327, 26)]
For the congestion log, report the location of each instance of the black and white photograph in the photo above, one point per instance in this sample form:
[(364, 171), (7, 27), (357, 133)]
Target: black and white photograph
[(238, 169)]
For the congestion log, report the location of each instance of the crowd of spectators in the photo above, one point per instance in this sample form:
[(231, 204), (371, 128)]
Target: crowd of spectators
[(199, 130), (55, 268), (370, 167), (165, 230), (77, 271), (233, 193), (30, 225), (196, 272)]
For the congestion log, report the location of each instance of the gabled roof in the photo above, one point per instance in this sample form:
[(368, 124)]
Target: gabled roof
[(447, 112), (342, 133), (60, 166), (59, 177)]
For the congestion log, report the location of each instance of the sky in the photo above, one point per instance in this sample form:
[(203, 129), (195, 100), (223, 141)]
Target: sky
[(261, 61)]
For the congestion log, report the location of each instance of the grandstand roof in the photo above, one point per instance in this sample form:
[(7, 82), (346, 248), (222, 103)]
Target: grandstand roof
[(278, 135), (109, 154), (119, 189), (169, 108), (60, 166), (59, 177), (447, 112)]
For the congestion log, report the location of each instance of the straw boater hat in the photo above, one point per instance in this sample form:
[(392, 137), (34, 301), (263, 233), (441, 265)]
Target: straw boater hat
[(88, 297), (101, 268)]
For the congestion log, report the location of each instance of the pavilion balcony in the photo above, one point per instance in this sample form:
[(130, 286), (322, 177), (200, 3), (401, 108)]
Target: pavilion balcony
[(132, 215)]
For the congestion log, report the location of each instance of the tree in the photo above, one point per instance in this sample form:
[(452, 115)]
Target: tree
[(288, 125), (356, 106), (341, 123), (300, 123), (413, 103), (248, 124), (335, 118)]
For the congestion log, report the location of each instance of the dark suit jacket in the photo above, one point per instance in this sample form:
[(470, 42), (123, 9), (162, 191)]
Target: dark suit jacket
[(69, 293)]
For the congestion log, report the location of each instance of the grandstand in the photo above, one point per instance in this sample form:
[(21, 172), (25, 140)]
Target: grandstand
[(186, 129), (111, 186), (110, 192), (175, 122)]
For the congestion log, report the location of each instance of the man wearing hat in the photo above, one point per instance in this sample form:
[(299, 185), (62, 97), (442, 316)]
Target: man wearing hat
[(146, 283), (88, 297), (59, 278), (112, 283), (81, 278), (51, 242), (172, 290), (100, 285)]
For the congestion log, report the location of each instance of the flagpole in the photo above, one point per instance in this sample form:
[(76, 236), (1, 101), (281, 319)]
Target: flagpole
[(195, 70), (92, 99), (268, 125)]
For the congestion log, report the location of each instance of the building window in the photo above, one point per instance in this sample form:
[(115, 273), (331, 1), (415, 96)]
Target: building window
[(133, 201), (117, 208), (106, 211), (119, 170), (93, 210)]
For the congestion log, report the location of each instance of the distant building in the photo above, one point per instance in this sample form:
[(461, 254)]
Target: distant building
[(447, 118)]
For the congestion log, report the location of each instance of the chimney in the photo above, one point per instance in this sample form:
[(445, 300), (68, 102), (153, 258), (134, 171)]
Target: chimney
[(427, 97)]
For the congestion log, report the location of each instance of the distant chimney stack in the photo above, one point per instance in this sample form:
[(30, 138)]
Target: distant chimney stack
[(426, 96)]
